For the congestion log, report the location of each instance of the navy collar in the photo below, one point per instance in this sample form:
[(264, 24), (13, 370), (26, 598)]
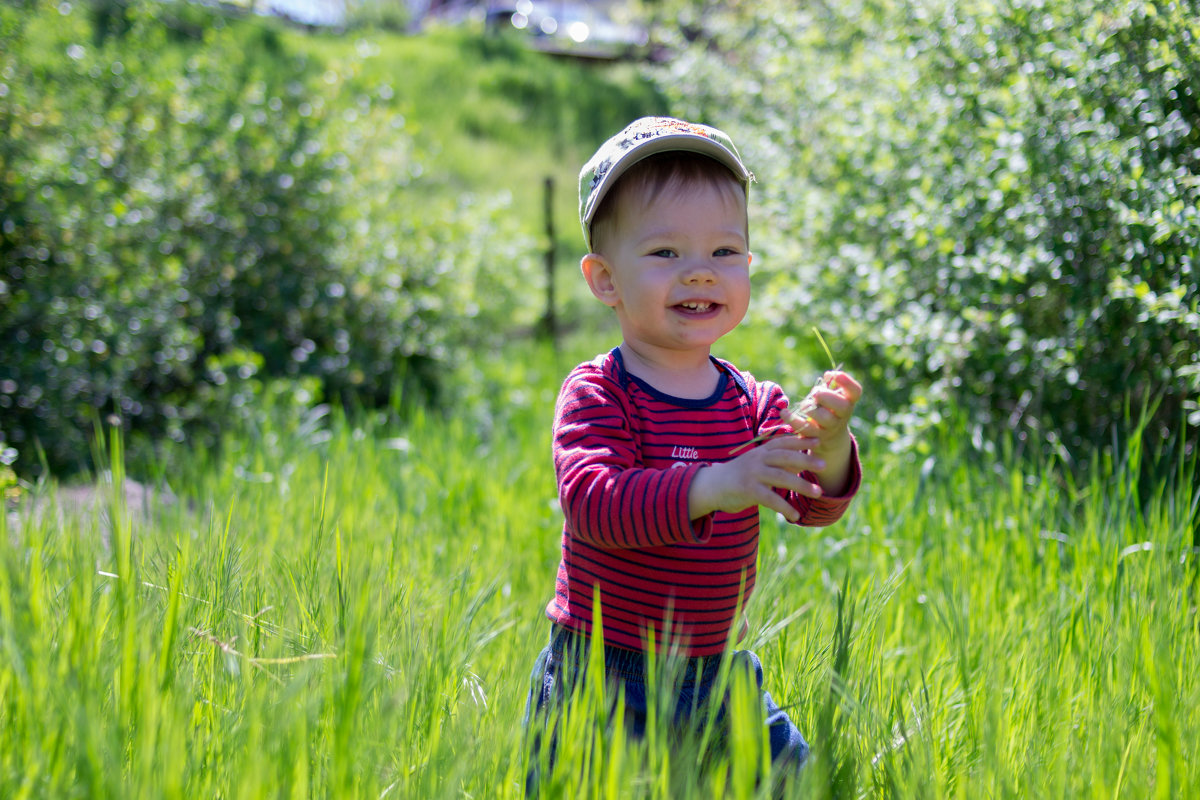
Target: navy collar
[(727, 373)]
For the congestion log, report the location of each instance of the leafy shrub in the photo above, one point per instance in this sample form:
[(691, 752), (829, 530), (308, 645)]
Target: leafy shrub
[(994, 202), (188, 208)]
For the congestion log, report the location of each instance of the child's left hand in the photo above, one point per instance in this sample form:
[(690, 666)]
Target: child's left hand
[(825, 415)]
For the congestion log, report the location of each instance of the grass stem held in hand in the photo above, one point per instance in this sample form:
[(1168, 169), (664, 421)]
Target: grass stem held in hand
[(796, 413)]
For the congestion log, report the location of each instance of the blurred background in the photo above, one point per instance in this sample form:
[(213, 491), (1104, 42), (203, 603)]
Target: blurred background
[(206, 209)]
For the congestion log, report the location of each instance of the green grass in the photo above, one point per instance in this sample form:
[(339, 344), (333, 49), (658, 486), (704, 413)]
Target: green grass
[(342, 610)]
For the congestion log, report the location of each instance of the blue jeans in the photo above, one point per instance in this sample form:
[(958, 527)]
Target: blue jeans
[(563, 662)]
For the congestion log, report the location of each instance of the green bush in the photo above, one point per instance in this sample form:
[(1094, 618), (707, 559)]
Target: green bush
[(991, 202), (189, 207)]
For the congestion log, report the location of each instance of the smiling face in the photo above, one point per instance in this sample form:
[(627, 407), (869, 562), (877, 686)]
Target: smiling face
[(673, 261)]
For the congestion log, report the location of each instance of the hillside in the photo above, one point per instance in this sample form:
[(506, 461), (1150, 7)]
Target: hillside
[(491, 115)]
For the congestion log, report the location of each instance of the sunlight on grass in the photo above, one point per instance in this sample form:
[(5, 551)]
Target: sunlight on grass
[(341, 610)]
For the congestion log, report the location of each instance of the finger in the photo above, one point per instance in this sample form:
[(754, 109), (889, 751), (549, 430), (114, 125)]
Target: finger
[(773, 501), (846, 383), (795, 463), (788, 443), (777, 503), (795, 422), (835, 400), (806, 429), (791, 482), (823, 419)]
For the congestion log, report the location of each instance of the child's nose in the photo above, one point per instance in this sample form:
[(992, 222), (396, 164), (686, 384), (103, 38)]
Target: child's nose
[(699, 271)]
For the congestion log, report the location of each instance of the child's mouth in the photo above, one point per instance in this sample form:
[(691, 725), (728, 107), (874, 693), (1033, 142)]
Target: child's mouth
[(696, 307)]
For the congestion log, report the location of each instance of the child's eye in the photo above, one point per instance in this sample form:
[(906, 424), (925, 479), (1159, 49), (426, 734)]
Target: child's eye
[(663, 253), (721, 252)]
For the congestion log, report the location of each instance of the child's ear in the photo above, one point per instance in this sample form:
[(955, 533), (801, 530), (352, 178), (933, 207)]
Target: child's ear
[(599, 278)]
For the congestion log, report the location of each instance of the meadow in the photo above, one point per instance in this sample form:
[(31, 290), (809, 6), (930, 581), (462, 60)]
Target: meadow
[(337, 608), (319, 603)]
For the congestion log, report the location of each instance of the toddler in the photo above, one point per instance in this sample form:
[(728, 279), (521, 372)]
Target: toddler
[(660, 497)]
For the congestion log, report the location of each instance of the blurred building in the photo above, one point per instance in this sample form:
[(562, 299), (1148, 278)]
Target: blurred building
[(582, 28), (315, 13), (601, 29)]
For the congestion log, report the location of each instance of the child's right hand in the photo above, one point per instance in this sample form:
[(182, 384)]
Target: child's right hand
[(752, 478)]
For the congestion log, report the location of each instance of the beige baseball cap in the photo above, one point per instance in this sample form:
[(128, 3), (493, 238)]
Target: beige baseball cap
[(645, 137)]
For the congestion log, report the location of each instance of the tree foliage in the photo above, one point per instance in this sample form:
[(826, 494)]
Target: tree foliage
[(994, 202), (190, 209)]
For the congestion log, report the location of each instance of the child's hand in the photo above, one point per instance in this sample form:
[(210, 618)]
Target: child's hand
[(822, 446), (825, 416), (752, 478)]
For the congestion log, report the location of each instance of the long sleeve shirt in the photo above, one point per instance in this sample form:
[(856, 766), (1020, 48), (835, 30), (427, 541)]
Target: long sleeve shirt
[(625, 455)]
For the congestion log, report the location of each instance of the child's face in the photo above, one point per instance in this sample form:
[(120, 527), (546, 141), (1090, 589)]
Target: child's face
[(676, 269)]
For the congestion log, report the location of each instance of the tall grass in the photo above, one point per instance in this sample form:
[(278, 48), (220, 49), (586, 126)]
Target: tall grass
[(335, 609)]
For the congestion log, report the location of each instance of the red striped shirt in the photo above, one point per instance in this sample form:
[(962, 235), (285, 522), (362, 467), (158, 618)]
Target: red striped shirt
[(625, 455)]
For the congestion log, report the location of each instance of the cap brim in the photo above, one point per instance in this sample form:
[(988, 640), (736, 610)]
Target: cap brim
[(686, 142)]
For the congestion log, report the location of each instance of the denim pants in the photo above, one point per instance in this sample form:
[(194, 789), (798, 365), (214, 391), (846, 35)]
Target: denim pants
[(563, 662)]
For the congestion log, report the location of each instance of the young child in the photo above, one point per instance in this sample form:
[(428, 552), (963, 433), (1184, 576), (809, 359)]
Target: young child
[(661, 516)]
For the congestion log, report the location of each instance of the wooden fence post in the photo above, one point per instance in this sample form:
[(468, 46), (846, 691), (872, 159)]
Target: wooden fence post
[(549, 326)]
